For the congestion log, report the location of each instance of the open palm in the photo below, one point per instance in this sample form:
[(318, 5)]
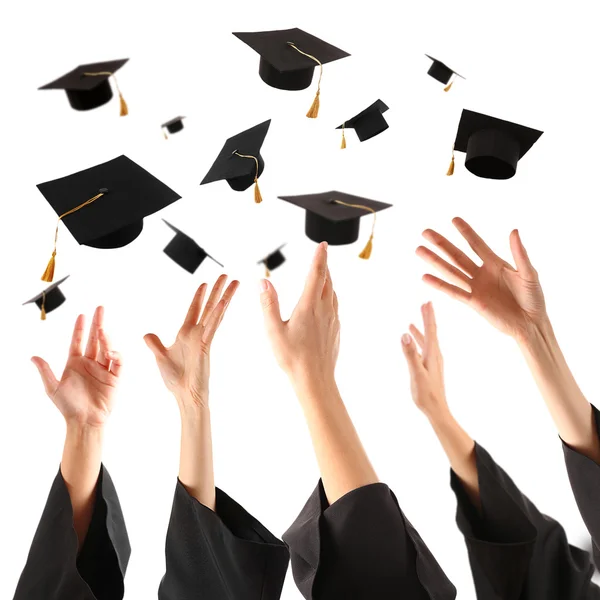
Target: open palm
[(510, 299), (85, 393)]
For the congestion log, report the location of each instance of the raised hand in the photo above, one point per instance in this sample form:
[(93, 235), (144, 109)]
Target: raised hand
[(85, 393), (510, 299), (185, 366)]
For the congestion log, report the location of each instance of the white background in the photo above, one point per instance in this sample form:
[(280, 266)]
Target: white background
[(532, 63)]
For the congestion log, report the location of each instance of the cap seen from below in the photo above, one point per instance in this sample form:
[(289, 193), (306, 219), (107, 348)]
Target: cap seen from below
[(440, 72), (172, 126), (273, 260), (367, 124)]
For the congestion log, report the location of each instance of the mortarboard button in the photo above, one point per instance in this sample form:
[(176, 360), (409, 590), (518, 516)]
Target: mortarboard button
[(288, 58), (440, 72), (493, 147), (87, 86), (172, 126), (367, 124), (50, 299), (240, 162), (334, 217), (273, 260), (185, 251), (104, 206)]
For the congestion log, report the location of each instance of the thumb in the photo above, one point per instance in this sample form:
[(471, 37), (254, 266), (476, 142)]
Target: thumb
[(156, 346), (409, 348), (48, 379), (270, 306), (521, 258)]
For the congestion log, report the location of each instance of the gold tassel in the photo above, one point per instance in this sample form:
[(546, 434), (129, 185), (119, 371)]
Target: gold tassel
[(49, 272), (313, 111), (267, 272), (366, 253), (343, 146), (43, 314), (124, 109), (257, 195), (447, 88), (451, 167), (165, 135)]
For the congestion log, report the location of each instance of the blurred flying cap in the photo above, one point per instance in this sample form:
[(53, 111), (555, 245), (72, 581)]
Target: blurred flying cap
[(87, 86), (334, 217), (172, 126), (49, 299), (273, 260), (441, 72), (288, 58), (493, 146), (367, 124), (105, 206), (185, 251), (240, 162)]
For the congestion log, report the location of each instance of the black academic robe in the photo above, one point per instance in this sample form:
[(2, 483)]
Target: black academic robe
[(54, 571), (516, 552), (221, 555), (584, 475), (362, 547)]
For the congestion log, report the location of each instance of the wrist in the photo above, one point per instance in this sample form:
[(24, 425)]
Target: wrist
[(77, 429), (535, 336), (192, 407), (438, 414), (308, 385)]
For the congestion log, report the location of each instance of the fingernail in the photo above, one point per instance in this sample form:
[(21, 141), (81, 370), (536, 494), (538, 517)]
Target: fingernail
[(324, 245), (263, 285), (406, 339)]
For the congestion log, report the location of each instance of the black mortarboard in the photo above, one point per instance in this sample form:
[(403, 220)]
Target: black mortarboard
[(49, 299), (185, 251), (104, 206), (235, 164), (334, 217), (273, 260), (441, 72), (367, 123), (288, 58), (87, 86), (173, 126), (493, 146)]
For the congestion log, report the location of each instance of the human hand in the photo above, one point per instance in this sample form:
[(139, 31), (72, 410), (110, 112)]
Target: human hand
[(307, 345), (510, 299), (185, 366), (85, 392)]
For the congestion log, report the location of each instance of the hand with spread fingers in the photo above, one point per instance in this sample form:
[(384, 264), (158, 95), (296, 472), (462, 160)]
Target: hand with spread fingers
[(510, 299)]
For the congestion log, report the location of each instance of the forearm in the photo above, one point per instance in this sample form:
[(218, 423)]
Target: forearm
[(80, 468), (568, 407), (342, 460), (196, 459)]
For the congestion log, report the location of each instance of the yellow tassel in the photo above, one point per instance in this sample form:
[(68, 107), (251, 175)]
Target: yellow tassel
[(313, 111), (267, 272), (165, 135), (257, 195), (447, 88), (124, 108), (43, 314), (451, 167), (366, 253), (343, 146), (49, 272)]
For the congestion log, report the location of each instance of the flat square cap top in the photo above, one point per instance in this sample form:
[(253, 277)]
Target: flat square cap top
[(377, 106), (274, 47), (47, 291), (130, 193), (77, 80)]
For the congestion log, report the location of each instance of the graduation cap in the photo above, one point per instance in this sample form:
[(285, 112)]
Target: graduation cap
[(49, 299), (185, 251), (240, 162), (172, 126), (442, 73), (273, 260), (334, 217), (105, 206), (493, 146), (367, 123), (288, 58), (87, 86)]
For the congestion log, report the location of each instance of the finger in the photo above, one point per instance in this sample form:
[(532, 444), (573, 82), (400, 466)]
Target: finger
[(327, 293), (219, 312), (430, 326), (520, 256), (193, 314), (270, 307), (91, 350), (419, 337), (48, 379), (452, 273), (317, 276), (335, 304), (458, 257), (474, 240), (116, 362), (409, 348), (156, 346), (452, 291), (77, 340), (215, 294), (105, 348)]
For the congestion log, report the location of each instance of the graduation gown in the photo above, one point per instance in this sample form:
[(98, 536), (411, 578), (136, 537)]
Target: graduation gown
[(584, 475), (516, 552), (362, 547), (54, 571), (221, 555)]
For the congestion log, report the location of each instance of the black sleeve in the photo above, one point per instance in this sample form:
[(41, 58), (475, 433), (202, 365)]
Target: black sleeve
[(584, 475), (54, 571), (362, 547), (221, 555), (516, 552)]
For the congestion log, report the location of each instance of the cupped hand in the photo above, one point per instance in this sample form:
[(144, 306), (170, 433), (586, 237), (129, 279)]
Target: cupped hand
[(307, 345), (185, 366), (510, 299), (85, 393), (426, 367)]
